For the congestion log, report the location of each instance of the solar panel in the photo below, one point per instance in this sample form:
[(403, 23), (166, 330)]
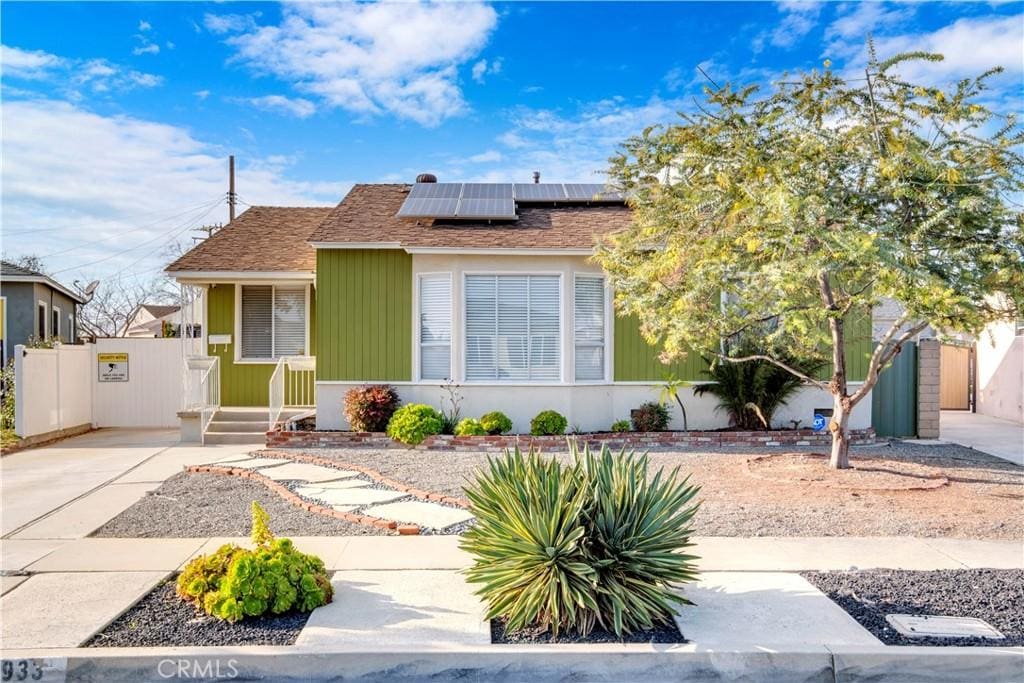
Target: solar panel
[(435, 191), (591, 192), (428, 208), (487, 208), (540, 192), (487, 191)]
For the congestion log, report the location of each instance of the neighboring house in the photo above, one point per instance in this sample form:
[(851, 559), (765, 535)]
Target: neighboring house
[(395, 285), (35, 305), (159, 320), (1000, 359)]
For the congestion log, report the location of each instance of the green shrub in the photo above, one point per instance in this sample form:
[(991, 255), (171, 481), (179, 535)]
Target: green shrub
[(565, 547), (496, 422), (274, 577), (368, 408), (548, 422), (414, 422), (750, 392), (469, 427), (650, 417), (620, 426)]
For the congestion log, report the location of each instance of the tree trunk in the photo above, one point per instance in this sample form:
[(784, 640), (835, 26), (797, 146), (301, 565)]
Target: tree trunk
[(840, 428)]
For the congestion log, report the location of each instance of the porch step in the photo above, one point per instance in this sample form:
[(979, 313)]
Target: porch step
[(251, 414), (248, 426), (234, 437)]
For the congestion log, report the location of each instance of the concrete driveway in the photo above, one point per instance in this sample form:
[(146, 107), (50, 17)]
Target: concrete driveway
[(1001, 438), (68, 489)]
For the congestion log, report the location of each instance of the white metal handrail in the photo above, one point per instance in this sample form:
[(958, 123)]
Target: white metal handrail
[(209, 390), (276, 392)]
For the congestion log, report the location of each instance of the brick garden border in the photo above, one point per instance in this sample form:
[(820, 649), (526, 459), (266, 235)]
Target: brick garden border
[(297, 500), (637, 440)]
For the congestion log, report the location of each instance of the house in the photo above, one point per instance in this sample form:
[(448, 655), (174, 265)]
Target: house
[(34, 305), (159, 320), (488, 285)]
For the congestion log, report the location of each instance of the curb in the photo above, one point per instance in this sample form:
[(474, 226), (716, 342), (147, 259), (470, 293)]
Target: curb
[(290, 496), (529, 663)]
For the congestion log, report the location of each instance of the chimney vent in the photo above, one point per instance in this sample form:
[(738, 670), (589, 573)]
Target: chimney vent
[(536, 177), (426, 178)]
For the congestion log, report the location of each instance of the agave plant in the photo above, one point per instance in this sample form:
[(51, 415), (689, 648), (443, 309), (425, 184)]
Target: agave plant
[(565, 547)]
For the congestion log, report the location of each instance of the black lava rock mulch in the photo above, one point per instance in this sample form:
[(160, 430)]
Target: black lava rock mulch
[(667, 633), (163, 619), (993, 595)]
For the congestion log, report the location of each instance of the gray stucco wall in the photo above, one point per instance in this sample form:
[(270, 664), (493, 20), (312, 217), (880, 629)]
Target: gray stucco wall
[(22, 313)]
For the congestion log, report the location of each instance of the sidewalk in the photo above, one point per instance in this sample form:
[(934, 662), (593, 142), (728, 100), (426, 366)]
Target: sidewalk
[(1001, 438)]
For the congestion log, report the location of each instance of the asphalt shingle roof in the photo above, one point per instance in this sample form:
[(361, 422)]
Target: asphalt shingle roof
[(263, 238)]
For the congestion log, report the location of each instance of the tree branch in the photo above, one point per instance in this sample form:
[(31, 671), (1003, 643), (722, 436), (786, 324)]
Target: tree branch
[(793, 371)]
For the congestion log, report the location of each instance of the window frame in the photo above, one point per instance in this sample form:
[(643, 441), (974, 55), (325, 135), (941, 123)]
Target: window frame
[(607, 330), (55, 315), (238, 359), (464, 338), (417, 322), (43, 313)]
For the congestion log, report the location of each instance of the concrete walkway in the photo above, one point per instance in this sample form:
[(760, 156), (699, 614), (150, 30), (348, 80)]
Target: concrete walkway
[(71, 488), (1001, 438)]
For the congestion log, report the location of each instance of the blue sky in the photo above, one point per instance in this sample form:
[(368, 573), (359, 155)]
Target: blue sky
[(118, 117)]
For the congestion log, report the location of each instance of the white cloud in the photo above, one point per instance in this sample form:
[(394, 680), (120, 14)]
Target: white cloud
[(484, 68), (295, 106), (490, 155), (226, 23), (73, 75), (28, 64), (798, 19), (371, 59), (202, 94), (848, 32), (144, 25), (146, 48), (100, 180)]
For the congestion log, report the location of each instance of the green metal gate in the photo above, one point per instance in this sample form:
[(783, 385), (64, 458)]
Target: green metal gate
[(894, 398)]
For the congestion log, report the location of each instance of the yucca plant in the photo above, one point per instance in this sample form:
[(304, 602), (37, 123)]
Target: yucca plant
[(565, 547)]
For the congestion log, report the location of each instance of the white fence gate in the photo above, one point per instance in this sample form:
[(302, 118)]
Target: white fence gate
[(113, 383)]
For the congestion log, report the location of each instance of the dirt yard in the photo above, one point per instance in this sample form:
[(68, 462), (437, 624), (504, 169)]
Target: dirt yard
[(895, 490)]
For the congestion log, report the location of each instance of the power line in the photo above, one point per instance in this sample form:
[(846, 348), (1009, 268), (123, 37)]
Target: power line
[(123, 220)]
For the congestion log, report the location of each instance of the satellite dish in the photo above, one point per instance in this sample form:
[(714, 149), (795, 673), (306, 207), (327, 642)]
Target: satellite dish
[(89, 290)]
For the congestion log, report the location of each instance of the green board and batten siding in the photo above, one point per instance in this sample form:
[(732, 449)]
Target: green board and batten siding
[(637, 361), (365, 315), (242, 384)]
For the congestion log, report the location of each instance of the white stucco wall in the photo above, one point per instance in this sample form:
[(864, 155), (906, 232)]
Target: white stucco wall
[(1000, 354)]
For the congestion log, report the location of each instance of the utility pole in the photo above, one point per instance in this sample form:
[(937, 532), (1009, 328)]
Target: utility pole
[(231, 188), (210, 230)]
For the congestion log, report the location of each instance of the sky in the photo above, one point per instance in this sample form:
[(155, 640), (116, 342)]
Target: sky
[(118, 118)]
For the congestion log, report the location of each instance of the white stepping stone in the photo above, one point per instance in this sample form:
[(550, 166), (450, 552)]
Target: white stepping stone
[(315, 491), (358, 496), (424, 514), (255, 463), (304, 471)]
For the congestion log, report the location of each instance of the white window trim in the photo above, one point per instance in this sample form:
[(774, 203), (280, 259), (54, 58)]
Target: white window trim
[(56, 310), (45, 317), (608, 329), (6, 351), (416, 344), (238, 360), (561, 329)]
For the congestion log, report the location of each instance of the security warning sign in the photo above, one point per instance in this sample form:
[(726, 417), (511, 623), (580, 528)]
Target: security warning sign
[(113, 367)]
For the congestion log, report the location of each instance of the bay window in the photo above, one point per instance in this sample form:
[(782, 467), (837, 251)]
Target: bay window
[(513, 327), (273, 321), (588, 327), (435, 297)]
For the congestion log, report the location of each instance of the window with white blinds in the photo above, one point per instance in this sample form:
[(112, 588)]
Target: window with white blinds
[(273, 321), (589, 327), (513, 328), (435, 326)]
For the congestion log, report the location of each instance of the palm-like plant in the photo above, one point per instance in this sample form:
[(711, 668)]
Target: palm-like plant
[(571, 546), (752, 391)]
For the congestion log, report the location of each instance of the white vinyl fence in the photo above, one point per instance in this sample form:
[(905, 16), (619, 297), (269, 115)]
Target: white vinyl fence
[(113, 383)]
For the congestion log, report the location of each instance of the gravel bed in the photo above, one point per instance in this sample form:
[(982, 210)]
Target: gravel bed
[(162, 619), (993, 595), (193, 505), (984, 498), (666, 633)]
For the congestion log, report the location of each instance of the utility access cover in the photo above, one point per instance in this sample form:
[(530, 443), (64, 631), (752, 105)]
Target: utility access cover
[(925, 626)]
